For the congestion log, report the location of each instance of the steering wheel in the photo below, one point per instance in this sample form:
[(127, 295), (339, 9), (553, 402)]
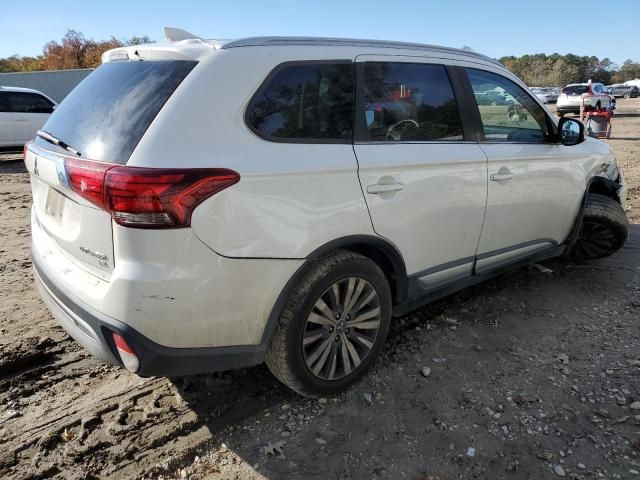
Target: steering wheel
[(392, 134)]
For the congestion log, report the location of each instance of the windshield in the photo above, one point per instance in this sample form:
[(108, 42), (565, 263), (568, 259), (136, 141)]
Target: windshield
[(106, 115)]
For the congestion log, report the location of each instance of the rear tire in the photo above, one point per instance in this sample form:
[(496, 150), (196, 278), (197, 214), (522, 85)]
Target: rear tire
[(627, 95), (318, 348), (560, 114), (604, 229)]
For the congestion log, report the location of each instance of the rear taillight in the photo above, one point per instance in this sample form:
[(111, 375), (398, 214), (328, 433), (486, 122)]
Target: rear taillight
[(24, 152), (87, 179), (147, 197)]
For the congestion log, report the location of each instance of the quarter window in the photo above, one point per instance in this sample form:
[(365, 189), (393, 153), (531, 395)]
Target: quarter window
[(409, 102), (29, 103), (311, 101), (508, 113)]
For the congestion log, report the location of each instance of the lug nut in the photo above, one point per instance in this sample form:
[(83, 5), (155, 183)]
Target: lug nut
[(337, 338)]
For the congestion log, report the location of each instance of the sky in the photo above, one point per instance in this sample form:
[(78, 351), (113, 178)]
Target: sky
[(492, 27)]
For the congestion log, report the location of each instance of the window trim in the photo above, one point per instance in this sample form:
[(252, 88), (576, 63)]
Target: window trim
[(361, 132), (479, 126), (309, 141)]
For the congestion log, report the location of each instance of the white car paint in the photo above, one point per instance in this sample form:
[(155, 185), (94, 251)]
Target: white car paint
[(18, 127), (214, 284)]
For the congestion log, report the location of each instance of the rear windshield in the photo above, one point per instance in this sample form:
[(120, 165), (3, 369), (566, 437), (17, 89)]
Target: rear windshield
[(576, 89), (106, 115)]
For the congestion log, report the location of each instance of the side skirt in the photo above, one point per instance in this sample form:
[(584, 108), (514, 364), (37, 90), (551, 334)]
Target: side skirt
[(444, 291)]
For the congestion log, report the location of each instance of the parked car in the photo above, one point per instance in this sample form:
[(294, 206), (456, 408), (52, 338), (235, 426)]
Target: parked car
[(552, 93), (542, 94), (192, 215), (570, 99), (22, 113), (621, 90)]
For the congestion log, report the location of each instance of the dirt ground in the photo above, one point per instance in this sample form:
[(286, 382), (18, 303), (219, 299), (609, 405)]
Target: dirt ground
[(533, 375)]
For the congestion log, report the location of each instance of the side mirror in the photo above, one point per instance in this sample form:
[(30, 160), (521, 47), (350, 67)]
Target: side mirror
[(571, 132)]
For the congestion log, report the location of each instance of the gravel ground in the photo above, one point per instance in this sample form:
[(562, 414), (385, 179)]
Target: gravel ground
[(533, 375)]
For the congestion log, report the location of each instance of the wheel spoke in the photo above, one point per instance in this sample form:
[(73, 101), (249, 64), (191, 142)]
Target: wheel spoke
[(335, 294), (324, 308), (351, 283), (352, 351), (326, 345), (364, 302), (356, 296), (310, 337), (362, 339), (366, 325), (320, 320), (323, 358), (374, 312), (334, 362), (345, 359)]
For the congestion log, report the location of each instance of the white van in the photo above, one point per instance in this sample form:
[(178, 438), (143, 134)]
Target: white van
[(201, 205)]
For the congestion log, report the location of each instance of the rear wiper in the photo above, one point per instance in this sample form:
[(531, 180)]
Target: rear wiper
[(56, 141)]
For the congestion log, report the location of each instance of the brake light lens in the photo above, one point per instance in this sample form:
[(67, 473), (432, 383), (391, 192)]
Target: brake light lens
[(87, 179), (151, 197), (147, 197)]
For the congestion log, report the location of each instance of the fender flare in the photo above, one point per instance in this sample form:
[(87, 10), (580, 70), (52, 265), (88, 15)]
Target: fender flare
[(350, 242)]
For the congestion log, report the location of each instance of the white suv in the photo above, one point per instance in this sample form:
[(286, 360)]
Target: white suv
[(22, 113), (221, 204), (570, 98)]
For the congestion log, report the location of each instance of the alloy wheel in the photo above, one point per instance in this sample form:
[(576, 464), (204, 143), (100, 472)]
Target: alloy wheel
[(341, 328)]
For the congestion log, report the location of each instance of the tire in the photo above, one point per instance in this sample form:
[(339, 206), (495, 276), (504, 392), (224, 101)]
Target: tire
[(604, 229), (560, 114), (296, 355), (627, 95)]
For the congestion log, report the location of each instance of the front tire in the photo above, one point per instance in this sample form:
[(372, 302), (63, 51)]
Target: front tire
[(332, 327), (604, 229), (627, 95)]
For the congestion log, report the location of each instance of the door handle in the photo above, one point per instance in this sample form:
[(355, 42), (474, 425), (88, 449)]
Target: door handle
[(501, 177), (20, 120), (379, 188)]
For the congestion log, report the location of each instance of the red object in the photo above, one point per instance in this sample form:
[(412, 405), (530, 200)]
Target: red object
[(127, 355), (121, 344), (147, 197)]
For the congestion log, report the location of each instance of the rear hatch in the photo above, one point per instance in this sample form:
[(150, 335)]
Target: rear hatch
[(94, 129), (572, 94)]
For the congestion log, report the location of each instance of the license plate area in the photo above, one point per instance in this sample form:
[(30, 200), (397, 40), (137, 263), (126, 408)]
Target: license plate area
[(54, 204)]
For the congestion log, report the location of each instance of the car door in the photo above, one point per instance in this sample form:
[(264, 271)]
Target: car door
[(535, 184), (30, 111), (7, 137), (423, 175)]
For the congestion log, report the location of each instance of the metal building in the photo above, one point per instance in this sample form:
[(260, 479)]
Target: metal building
[(55, 83)]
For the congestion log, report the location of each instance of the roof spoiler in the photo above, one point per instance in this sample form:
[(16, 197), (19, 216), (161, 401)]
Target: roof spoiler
[(176, 34)]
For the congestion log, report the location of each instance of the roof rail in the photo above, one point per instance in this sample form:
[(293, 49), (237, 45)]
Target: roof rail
[(351, 42)]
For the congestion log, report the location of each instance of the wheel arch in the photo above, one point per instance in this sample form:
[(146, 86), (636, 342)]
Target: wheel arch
[(377, 249), (600, 185)]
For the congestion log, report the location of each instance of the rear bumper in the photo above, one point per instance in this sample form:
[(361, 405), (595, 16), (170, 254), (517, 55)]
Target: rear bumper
[(568, 108), (94, 331)]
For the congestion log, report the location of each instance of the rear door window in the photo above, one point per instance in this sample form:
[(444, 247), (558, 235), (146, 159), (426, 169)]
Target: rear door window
[(409, 102), (25, 102), (308, 102), (107, 114), (4, 103)]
